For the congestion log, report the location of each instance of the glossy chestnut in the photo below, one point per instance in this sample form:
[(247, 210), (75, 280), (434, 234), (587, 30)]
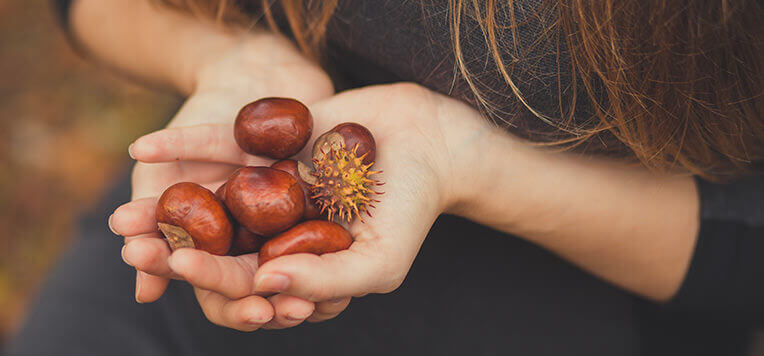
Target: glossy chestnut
[(301, 172), (264, 200), (315, 236), (190, 215), (273, 127), (220, 192), (245, 242), (351, 136)]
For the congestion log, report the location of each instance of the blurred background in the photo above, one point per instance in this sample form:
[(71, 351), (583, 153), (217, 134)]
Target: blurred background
[(64, 130)]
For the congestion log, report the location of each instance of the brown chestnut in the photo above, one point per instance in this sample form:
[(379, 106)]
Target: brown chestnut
[(264, 200), (220, 193), (245, 242), (301, 172), (190, 215), (347, 135), (273, 127), (315, 236)]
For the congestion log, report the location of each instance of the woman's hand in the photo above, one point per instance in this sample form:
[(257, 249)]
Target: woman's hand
[(417, 148), (438, 155), (258, 65)]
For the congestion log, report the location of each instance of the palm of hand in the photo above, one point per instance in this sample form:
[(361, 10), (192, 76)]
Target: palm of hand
[(236, 77), (411, 150)]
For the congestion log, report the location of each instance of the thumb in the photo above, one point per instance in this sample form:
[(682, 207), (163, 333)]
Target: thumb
[(354, 272)]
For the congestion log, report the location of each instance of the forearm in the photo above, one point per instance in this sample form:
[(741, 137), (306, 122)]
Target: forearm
[(634, 228), (156, 45)]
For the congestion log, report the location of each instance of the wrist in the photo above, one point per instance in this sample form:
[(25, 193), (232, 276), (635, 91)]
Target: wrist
[(478, 152), (496, 178)]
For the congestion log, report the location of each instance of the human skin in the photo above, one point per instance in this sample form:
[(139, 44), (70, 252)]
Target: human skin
[(629, 226), (219, 70), (623, 223)]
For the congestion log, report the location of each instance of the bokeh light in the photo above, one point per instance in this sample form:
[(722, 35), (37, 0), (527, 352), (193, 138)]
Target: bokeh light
[(65, 125)]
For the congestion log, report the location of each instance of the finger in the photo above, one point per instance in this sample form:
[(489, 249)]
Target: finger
[(148, 288), (134, 218), (229, 276), (328, 309), (153, 235), (151, 179), (207, 142), (139, 216), (245, 314), (149, 254), (289, 311), (352, 272)]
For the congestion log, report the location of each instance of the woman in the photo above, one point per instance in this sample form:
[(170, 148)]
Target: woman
[(664, 263)]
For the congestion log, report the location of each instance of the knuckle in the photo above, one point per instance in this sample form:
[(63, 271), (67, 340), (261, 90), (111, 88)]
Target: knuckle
[(155, 257), (209, 314), (220, 283), (407, 89), (218, 137), (318, 293), (180, 143), (209, 141)]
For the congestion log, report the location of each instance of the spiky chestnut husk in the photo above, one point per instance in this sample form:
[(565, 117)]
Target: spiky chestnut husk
[(344, 186)]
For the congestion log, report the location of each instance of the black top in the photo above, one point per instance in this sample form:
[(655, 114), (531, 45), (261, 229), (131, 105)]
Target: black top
[(380, 41), (387, 41)]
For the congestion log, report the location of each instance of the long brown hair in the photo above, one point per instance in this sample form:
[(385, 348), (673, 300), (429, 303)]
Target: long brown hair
[(681, 82)]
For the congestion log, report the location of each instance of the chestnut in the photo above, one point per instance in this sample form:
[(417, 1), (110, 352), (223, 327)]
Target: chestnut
[(264, 200), (245, 242), (315, 236), (342, 158), (190, 215), (349, 135), (273, 127), (220, 193), (302, 173)]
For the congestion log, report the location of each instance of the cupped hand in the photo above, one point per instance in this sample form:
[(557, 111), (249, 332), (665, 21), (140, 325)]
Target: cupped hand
[(259, 66), (423, 140)]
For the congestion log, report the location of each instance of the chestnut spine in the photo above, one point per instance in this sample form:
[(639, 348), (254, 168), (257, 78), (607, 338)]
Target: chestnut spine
[(344, 187)]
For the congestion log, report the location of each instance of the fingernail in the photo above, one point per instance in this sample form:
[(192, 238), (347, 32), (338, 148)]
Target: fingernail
[(336, 301), (130, 150), (272, 283), (111, 227), (258, 320), (293, 318), (125, 258), (138, 279), (298, 317)]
